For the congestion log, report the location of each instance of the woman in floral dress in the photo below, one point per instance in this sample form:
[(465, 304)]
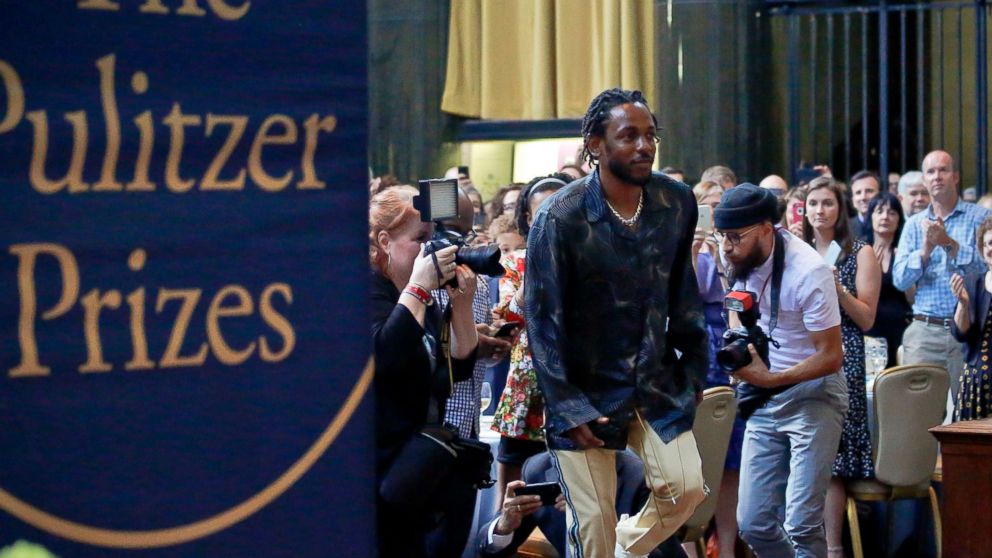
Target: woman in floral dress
[(858, 282), (519, 415)]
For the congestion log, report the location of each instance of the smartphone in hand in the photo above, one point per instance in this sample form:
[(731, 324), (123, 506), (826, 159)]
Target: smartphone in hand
[(548, 491), (508, 329)]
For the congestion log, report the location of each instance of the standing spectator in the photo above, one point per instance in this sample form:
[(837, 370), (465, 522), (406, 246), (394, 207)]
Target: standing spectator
[(775, 184), (894, 311), (503, 231), (573, 170), (935, 244), (674, 173), (413, 374), (857, 279), (721, 175), (616, 329), (505, 201), (712, 288), (973, 325), (893, 183), (913, 193), (864, 187), (793, 218), (519, 414)]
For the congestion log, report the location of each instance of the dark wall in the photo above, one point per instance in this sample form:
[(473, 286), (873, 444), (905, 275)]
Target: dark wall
[(716, 112), (408, 45)]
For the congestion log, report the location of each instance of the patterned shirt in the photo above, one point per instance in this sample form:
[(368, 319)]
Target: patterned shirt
[(463, 407), (614, 319), (933, 290)]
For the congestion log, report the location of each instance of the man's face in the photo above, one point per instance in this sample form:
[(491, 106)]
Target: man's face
[(939, 176), (916, 199), (742, 249), (629, 143), (894, 182), (862, 192)]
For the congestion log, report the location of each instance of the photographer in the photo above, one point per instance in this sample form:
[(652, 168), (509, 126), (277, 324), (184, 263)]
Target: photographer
[(415, 361), (793, 396)]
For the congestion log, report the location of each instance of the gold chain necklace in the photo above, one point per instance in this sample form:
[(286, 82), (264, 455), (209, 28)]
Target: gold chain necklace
[(637, 213)]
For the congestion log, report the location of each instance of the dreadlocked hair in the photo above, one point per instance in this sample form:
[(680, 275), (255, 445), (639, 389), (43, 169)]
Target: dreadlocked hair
[(594, 122)]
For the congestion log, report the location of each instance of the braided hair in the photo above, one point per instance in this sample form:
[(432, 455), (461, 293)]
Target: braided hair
[(594, 122)]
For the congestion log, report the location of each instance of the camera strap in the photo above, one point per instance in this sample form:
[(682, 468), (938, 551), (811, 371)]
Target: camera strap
[(778, 269)]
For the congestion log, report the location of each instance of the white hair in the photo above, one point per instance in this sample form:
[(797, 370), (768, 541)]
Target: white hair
[(911, 178)]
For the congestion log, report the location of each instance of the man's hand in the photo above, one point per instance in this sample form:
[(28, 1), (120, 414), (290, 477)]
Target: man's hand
[(583, 437), (515, 508), (935, 234), (560, 503), (756, 373), (491, 349)]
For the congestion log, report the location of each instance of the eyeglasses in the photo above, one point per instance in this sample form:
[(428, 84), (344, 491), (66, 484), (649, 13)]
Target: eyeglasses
[(734, 238)]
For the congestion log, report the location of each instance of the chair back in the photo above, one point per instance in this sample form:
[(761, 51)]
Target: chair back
[(712, 428), (908, 400)]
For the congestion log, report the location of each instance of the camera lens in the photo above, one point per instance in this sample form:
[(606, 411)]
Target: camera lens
[(483, 260), (734, 355)]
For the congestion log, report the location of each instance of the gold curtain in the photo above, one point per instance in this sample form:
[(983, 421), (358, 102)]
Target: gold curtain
[(544, 59)]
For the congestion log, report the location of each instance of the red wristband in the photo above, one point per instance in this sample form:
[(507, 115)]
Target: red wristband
[(420, 294)]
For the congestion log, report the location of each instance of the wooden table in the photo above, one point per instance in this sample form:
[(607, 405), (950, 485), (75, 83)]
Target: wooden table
[(966, 459)]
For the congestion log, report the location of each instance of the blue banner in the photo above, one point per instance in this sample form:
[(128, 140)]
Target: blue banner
[(183, 338)]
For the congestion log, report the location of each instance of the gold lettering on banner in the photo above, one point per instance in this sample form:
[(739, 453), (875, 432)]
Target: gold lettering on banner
[(74, 176), (311, 127), (27, 256), (15, 97), (228, 12), (262, 138), (191, 8), (112, 119), (93, 303), (136, 302), (153, 7), (217, 310), (210, 177), (277, 322), (98, 5), (176, 121), (189, 298)]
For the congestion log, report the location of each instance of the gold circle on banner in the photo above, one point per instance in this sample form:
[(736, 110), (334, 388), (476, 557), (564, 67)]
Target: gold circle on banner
[(185, 533)]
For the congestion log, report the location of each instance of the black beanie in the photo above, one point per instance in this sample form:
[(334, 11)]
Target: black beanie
[(745, 205)]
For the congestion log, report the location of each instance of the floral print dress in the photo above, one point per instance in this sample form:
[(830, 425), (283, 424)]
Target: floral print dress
[(520, 413)]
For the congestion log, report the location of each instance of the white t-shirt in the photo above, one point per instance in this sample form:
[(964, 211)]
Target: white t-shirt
[(807, 302)]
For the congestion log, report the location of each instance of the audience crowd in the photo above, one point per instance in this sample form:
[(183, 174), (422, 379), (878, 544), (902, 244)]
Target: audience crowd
[(911, 267)]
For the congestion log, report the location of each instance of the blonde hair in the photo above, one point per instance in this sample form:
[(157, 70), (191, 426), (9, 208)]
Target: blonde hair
[(502, 225), (705, 188), (388, 211)]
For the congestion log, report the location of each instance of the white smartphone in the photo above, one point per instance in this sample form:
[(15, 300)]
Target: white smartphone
[(833, 252), (705, 221)]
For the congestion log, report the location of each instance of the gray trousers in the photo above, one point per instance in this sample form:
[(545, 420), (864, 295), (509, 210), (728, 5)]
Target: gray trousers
[(924, 343), (789, 447)]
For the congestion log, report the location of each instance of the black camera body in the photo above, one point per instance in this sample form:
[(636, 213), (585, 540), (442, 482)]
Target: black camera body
[(734, 354), (438, 202), (483, 260)]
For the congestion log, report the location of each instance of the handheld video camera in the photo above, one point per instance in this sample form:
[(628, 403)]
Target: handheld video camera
[(438, 202), (734, 354)]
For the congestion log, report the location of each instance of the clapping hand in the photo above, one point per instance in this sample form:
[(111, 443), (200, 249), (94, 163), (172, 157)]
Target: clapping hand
[(957, 287)]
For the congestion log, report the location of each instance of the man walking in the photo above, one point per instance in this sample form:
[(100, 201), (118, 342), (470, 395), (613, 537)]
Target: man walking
[(616, 331)]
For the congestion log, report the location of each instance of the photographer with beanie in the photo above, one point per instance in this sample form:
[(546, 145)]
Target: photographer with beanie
[(793, 396)]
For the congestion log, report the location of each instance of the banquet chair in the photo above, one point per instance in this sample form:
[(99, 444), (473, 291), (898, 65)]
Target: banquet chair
[(908, 400), (712, 428)]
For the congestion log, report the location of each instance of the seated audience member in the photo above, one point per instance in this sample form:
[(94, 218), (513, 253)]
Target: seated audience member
[(857, 279), (973, 326), (413, 378), (676, 173), (794, 213), (520, 515), (721, 175), (935, 244), (503, 231), (894, 311), (775, 184), (519, 416), (913, 194)]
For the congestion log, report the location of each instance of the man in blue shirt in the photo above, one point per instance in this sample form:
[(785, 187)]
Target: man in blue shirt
[(616, 330), (935, 244)]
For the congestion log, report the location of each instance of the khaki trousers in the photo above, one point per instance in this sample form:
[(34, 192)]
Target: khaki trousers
[(673, 473)]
